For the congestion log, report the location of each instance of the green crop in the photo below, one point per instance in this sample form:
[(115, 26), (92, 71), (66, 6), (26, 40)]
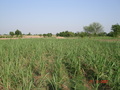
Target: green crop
[(59, 64)]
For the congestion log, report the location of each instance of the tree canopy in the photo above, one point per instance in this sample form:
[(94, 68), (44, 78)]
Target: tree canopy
[(93, 28), (48, 35), (65, 34), (116, 30), (12, 33), (18, 32)]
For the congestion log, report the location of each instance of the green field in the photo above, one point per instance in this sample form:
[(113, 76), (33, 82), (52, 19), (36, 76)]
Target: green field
[(59, 64)]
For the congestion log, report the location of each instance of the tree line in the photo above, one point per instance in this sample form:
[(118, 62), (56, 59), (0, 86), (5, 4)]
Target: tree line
[(94, 29), (17, 33)]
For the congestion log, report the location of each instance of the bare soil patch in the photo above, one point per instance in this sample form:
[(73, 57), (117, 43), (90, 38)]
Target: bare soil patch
[(22, 37), (32, 37), (7, 38)]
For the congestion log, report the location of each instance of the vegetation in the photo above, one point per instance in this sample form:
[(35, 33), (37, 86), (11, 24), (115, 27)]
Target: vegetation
[(44, 35), (5, 36), (116, 30), (40, 35), (29, 33), (48, 35), (102, 34), (12, 34), (94, 28), (65, 34), (18, 32), (59, 64), (82, 34)]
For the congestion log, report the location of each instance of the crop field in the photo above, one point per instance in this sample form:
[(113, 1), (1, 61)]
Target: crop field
[(59, 64)]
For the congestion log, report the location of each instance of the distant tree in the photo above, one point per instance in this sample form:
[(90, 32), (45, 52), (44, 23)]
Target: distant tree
[(116, 30), (70, 34), (81, 34), (29, 33), (65, 34), (49, 34), (93, 28), (60, 34), (57, 34), (11, 33), (18, 32), (40, 35), (111, 34), (102, 34), (5, 34), (88, 29), (44, 35)]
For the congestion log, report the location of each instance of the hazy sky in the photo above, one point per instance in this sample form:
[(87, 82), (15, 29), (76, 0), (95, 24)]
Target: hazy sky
[(44, 16)]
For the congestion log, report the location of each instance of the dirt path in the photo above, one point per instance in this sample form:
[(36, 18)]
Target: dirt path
[(22, 37), (7, 38)]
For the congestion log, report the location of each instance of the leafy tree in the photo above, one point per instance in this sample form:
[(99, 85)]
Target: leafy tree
[(44, 35), (40, 35), (57, 34), (70, 34), (116, 30), (102, 34), (18, 32), (29, 33), (49, 34), (88, 29), (111, 34), (12, 33), (81, 34), (93, 28), (65, 34)]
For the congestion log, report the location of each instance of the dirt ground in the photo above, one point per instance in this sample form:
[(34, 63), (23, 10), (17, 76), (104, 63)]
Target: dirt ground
[(22, 37), (25, 37), (30, 37), (7, 38)]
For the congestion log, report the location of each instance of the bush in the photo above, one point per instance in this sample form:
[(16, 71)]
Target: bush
[(102, 34), (44, 35), (65, 34), (49, 34), (18, 32), (40, 35), (11, 33)]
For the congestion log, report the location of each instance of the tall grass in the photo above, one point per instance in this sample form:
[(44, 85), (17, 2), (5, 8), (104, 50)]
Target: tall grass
[(54, 64)]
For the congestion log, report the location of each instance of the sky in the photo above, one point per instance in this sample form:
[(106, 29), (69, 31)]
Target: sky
[(54, 16)]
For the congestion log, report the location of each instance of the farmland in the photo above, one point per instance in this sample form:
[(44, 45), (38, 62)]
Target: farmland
[(59, 64)]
